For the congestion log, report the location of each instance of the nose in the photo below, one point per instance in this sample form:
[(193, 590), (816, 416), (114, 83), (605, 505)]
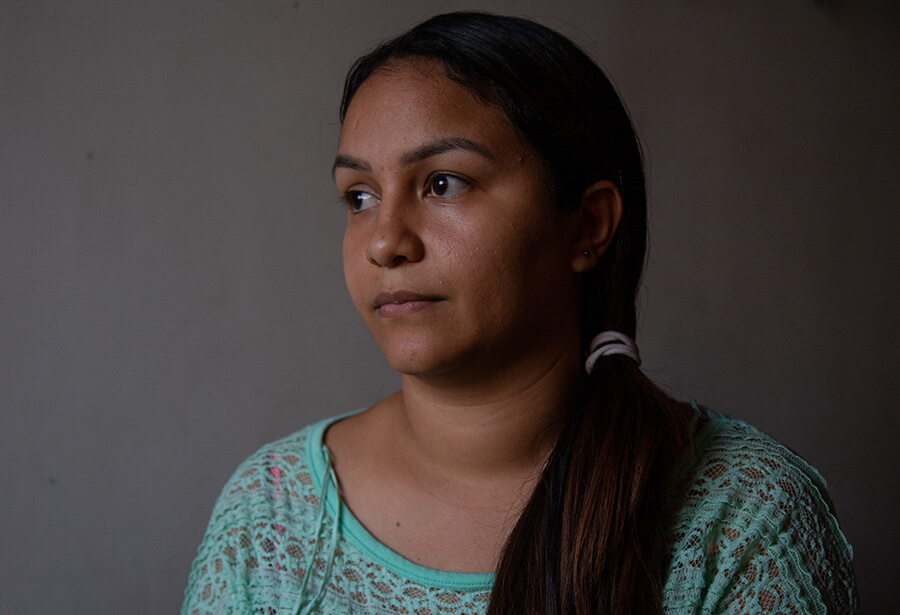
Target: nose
[(395, 237)]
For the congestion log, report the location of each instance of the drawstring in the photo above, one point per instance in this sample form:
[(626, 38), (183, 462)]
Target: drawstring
[(328, 478)]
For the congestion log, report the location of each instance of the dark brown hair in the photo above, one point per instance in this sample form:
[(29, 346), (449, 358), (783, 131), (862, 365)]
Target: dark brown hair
[(591, 539)]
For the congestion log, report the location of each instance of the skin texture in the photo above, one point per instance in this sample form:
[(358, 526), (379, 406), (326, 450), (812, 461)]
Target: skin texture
[(466, 274), (490, 255)]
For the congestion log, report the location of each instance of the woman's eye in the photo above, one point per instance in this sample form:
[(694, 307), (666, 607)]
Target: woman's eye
[(444, 185), (357, 200)]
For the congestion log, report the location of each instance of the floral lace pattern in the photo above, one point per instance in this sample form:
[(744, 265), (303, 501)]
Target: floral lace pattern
[(753, 531)]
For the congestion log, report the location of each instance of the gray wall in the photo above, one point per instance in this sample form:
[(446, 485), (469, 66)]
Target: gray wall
[(171, 294)]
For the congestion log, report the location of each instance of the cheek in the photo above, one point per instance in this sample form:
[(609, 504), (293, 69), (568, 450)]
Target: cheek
[(462, 255), (354, 269), (495, 268), (530, 269)]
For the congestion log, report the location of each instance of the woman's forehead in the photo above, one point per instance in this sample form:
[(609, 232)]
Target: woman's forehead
[(405, 105)]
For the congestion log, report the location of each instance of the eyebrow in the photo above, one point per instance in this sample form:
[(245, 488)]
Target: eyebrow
[(428, 150), (444, 145), (343, 161)]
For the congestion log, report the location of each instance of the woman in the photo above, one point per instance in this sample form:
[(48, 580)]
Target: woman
[(495, 239)]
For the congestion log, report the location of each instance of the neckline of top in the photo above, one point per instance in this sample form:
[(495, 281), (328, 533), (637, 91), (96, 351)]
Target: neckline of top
[(359, 536)]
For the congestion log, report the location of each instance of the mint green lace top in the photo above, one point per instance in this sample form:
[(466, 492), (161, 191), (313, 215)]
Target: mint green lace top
[(754, 532)]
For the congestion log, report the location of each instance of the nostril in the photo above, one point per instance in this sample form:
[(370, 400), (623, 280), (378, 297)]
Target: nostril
[(395, 239)]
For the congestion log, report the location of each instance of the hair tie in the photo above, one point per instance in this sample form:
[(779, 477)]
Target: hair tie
[(610, 343)]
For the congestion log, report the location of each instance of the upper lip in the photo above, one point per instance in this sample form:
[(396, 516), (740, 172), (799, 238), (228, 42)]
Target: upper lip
[(400, 296)]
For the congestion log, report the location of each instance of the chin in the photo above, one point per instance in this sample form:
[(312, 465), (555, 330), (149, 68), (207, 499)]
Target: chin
[(415, 364), (419, 358)]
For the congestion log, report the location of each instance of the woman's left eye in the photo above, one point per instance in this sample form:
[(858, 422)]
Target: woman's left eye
[(445, 185)]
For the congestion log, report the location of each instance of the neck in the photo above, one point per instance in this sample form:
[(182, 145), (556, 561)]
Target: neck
[(491, 429)]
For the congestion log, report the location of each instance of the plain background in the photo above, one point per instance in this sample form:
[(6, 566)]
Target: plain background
[(171, 291)]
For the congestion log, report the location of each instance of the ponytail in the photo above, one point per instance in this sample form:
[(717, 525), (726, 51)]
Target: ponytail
[(592, 537)]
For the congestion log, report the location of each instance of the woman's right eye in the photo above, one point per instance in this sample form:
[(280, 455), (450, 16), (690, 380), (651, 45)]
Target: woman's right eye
[(357, 200)]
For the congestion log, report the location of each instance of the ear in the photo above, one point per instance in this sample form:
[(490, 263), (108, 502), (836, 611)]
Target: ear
[(599, 216)]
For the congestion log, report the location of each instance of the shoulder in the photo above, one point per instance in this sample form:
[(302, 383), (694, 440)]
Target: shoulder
[(259, 531), (275, 469), (754, 527)]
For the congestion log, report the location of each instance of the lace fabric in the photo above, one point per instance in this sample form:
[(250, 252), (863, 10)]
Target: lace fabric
[(753, 531)]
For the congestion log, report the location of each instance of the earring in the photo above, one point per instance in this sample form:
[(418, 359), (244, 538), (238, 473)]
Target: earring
[(587, 252)]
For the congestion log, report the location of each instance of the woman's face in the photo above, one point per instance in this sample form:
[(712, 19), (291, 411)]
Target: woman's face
[(455, 255)]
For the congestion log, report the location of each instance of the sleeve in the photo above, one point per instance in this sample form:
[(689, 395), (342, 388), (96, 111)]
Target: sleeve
[(793, 558), (254, 554), (758, 534), (217, 583)]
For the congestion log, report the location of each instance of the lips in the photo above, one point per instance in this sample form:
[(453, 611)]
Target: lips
[(402, 303)]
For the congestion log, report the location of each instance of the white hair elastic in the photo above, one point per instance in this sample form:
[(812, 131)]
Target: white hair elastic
[(610, 343)]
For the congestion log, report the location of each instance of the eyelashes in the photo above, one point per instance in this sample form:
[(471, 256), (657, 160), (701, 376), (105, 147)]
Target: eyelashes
[(440, 185), (359, 200), (446, 185)]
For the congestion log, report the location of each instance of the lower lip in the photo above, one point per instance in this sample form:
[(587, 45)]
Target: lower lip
[(392, 310)]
